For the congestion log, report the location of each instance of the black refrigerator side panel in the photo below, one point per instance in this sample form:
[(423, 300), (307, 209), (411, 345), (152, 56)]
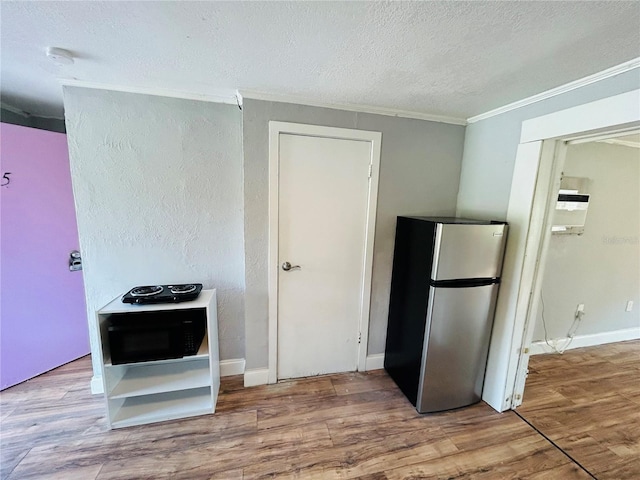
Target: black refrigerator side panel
[(412, 259)]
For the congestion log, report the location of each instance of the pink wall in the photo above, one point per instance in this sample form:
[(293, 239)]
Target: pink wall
[(43, 321)]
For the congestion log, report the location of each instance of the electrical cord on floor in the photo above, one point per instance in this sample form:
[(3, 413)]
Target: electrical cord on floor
[(570, 333)]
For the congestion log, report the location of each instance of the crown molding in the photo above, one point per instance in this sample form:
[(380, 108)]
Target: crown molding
[(390, 112), (596, 77), (227, 96), (235, 97)]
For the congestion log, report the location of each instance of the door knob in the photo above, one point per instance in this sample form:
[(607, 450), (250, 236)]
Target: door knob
[(286, 266)]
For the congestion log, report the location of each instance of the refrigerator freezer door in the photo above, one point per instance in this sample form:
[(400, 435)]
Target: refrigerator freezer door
[(468, 251), (456, 346)]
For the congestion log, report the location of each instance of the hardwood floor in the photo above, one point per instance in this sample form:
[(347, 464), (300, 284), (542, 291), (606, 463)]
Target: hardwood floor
[(587, 401), (348, 426)]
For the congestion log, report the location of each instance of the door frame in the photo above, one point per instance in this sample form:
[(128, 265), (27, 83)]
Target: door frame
[(535, 182), (375, 138)]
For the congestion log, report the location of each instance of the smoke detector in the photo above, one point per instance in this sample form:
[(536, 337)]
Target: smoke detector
[(60, 56)]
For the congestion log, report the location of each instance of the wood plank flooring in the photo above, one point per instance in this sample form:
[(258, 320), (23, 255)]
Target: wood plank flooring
[(348, 426), (587, 401)]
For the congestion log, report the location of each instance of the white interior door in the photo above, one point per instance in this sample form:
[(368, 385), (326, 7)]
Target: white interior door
[(322, 228)]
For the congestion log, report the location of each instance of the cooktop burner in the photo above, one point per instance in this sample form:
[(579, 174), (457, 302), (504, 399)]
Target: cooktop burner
[(162, 293), (182, 289), (145, 291)]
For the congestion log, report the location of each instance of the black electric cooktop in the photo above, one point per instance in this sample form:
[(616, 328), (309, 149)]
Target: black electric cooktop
[(163, 293)]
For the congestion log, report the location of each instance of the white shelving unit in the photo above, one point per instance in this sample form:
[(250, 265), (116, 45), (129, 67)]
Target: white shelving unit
[(148, 392)]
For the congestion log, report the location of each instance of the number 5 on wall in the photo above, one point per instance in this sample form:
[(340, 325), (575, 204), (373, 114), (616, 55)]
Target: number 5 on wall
[(5, 179)]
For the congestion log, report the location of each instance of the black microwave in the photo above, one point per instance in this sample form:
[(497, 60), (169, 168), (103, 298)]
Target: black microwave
[(161, 335)]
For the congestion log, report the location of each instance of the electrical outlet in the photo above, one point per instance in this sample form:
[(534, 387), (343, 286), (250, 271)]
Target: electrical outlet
[(629, 306), (580, 308)]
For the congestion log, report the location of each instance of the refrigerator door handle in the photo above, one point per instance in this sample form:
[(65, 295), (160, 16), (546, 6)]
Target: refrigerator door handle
[(464, 282)]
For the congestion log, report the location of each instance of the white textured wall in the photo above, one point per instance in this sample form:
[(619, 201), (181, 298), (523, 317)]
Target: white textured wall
[(158, 190), (600, 268), (419, 173)]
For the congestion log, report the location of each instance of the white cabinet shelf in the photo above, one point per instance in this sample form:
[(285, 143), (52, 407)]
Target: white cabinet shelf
[(162, 377), (203, 352), (155, 391), (161, 407)]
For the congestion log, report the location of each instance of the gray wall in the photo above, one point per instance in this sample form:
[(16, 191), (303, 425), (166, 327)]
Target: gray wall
[(158, 190), (419, 173), (490, 146), (600, 268)]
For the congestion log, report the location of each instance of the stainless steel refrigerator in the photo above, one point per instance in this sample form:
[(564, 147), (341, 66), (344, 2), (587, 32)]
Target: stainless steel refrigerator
[(446, 274)]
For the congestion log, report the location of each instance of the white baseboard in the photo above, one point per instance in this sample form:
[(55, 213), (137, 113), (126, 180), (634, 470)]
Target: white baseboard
[(231, 367), (374, 362), (260, 376), (591, 340), (227, 368), (256, 376), (97, 388)]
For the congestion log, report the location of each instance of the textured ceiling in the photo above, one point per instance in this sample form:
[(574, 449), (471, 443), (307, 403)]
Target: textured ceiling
[(457, 59)]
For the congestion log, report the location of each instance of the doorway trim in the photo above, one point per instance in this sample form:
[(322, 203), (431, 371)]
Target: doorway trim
[(538, 160), (375, 138)]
